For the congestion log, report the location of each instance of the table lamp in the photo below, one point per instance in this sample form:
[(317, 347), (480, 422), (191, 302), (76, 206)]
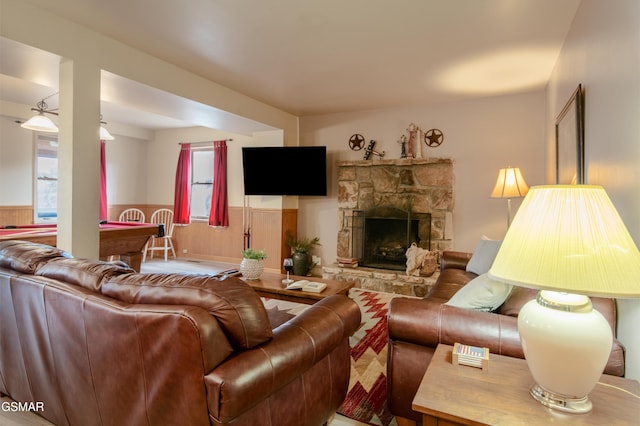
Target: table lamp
[(510, 184), (569, 242)]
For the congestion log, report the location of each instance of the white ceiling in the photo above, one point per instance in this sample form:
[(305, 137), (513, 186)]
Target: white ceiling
[(311, 56)]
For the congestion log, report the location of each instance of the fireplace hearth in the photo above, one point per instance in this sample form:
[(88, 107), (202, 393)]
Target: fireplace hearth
[(382, 235)]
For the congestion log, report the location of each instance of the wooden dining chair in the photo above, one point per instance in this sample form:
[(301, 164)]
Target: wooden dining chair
[(164, 243), (132, 215)]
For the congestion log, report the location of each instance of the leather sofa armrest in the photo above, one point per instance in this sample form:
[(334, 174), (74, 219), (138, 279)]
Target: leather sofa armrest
[(454, 259), (253, 375), (428, 323)]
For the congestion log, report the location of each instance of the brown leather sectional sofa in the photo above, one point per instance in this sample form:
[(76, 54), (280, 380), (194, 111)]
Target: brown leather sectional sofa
[(417, 326), (97, 343)]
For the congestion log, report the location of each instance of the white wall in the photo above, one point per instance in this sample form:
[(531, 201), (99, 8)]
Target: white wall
[(602, 51), (126, 170), (481, 136), (16, 164)]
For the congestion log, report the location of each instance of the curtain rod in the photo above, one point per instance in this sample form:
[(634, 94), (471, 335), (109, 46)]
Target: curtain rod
[(203, 143)]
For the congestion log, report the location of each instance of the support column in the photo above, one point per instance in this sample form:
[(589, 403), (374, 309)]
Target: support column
[(79, 159)]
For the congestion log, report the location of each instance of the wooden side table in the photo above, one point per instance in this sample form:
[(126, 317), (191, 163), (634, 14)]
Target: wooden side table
[(460, 395)]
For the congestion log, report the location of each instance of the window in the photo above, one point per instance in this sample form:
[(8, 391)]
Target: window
[(201, 183), (46, 177)]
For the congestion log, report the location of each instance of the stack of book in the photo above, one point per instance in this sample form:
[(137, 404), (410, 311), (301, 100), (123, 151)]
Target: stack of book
[(470, 355), (305, 285), (347, 262)]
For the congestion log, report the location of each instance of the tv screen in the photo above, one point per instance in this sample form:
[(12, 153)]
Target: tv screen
[(284, 170)]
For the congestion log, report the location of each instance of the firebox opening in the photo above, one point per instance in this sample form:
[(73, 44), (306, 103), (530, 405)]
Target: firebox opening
[(382, 235)]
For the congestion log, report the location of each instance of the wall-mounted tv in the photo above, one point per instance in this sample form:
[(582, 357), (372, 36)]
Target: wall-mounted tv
[(285, 170)]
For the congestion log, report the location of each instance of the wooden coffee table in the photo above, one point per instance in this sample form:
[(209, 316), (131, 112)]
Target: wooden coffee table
[(459, 395), (270, 285)]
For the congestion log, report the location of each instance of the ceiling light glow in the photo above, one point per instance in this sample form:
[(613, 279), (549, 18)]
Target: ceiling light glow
[(499, 72)]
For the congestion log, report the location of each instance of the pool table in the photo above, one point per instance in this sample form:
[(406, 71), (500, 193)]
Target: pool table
[(124, 239)]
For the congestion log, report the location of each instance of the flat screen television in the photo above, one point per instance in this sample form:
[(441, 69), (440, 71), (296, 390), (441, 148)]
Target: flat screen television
[(285, 170)]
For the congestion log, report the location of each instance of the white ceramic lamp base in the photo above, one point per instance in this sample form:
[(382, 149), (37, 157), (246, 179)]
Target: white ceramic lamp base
[(566, 344)]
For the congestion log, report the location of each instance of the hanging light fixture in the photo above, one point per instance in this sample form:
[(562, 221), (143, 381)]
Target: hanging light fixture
[(104, 133), (40, 122)]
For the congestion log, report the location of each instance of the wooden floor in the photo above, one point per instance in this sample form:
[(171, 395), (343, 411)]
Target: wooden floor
[(8, 418)]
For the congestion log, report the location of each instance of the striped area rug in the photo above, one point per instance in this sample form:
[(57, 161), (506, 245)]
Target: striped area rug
[(367, 394)]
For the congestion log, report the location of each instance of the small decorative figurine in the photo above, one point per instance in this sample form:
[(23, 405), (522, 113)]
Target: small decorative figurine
[(370, 150), (411, 130), (403, 143)]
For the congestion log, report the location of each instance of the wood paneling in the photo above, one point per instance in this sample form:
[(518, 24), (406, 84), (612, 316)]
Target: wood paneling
[(16, 215), (266, 233), (289, 226), (200, 241)]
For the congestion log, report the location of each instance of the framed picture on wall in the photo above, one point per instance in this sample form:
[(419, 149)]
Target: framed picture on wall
[(570, 141)]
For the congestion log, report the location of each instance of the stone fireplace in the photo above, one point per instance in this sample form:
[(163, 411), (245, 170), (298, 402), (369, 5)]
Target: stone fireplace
[(390, 204)]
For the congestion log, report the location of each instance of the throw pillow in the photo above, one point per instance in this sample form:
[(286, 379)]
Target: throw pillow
[(482, 293), (483, 256)]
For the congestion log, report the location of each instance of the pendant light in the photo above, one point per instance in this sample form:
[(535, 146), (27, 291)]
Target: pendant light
[(104, 133), (40, 122)]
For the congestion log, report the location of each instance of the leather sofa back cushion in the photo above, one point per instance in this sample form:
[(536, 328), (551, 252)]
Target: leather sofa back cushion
[(235, 305), (26, 256), (81, 272)]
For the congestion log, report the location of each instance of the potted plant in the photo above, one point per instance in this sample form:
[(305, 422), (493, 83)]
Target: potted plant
[(252, 263), (301, 253)]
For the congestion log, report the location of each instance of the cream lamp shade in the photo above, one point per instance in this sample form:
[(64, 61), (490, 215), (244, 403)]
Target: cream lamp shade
[(510, 184), (569, 238), (569, 242)]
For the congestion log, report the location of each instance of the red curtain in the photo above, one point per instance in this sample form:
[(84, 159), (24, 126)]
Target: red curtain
[(181, 211), (104, 214), (219, 213)]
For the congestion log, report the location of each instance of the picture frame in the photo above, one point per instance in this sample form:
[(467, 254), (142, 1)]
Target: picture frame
[(570, 168)]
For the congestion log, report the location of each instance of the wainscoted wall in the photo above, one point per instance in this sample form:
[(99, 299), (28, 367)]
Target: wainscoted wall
[(267, 228), (16, 215), (268, 231)]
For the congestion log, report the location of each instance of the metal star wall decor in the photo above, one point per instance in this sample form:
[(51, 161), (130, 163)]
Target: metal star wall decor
[(433, 138)]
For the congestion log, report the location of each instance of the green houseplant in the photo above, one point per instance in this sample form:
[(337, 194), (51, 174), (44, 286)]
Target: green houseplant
[(252, 263), (301, 253)]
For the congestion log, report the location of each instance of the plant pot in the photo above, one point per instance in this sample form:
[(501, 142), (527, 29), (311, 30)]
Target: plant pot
[(301, 263), (251, 269)]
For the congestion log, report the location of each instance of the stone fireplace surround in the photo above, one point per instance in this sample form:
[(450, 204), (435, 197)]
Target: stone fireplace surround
[(419, 186)]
